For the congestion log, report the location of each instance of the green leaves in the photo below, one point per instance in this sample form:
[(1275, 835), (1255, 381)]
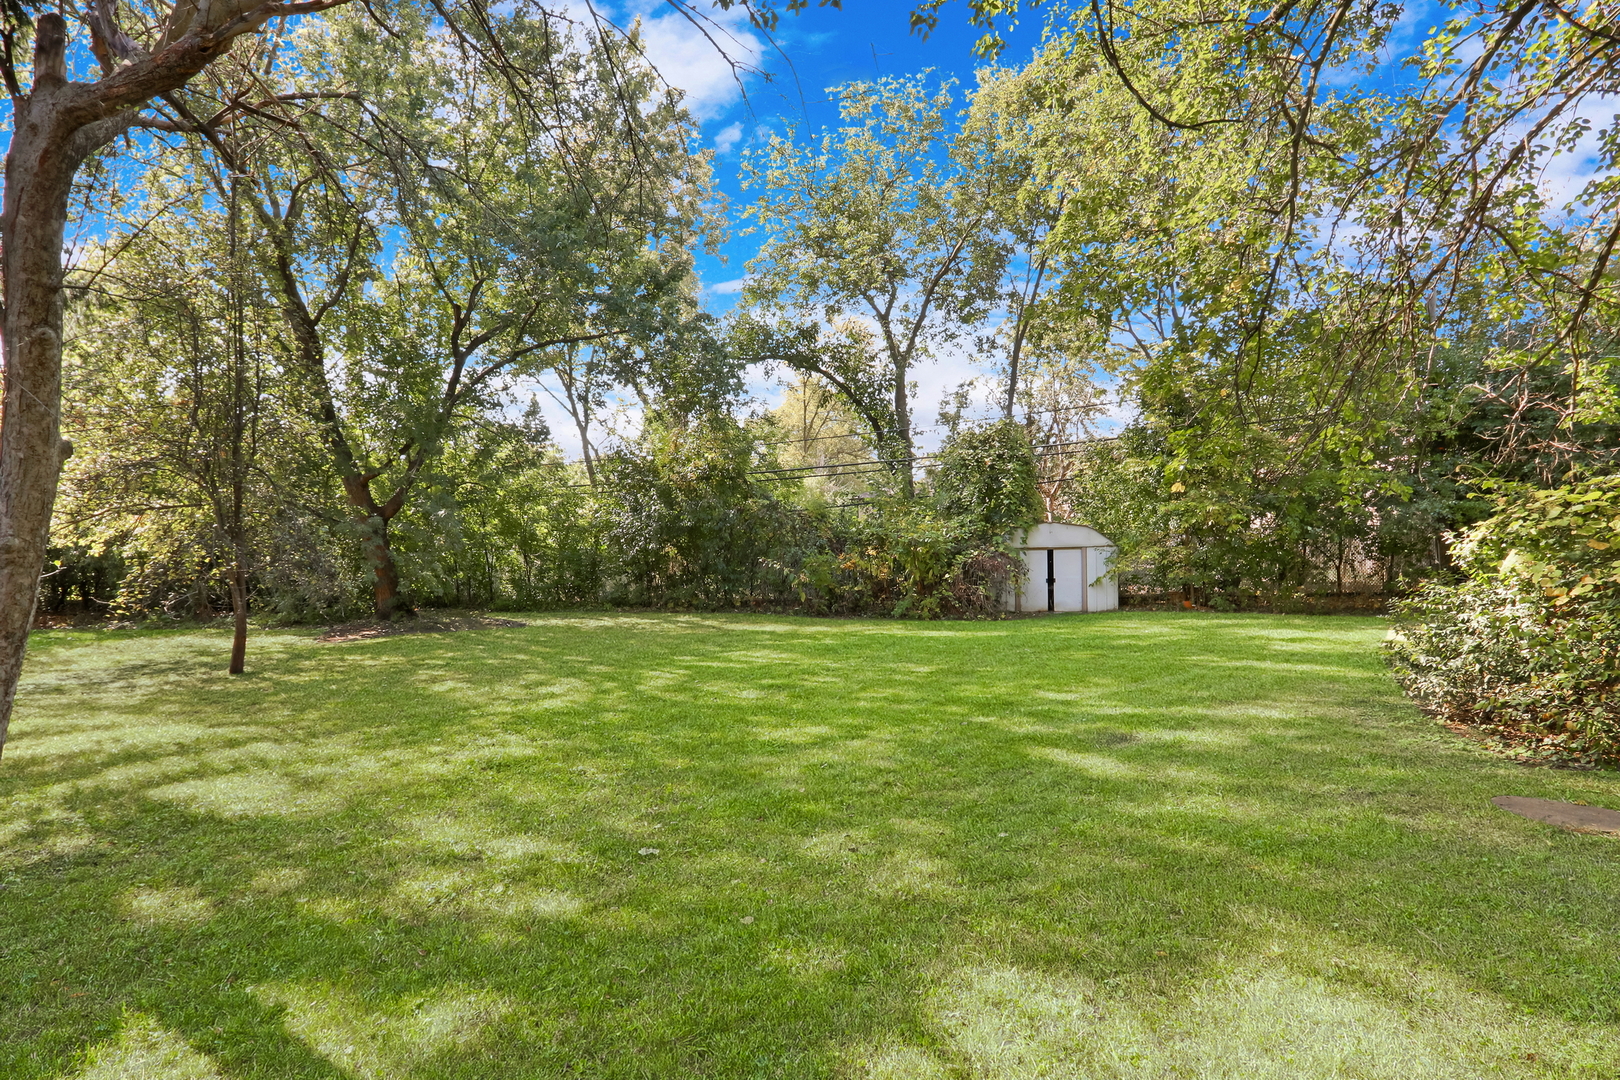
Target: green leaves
[(1557, 539), (881, 232), (1534, 631), (987, 476)]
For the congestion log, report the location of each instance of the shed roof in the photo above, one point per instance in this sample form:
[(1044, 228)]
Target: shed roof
[(1058, 534)]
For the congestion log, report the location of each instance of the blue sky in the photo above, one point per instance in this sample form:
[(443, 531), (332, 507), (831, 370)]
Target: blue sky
[(808, 54)]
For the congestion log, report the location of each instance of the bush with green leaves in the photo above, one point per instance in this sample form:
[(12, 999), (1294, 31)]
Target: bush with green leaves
[(685, 522), (681, 518), (504, 524), (904, 558), (685, 525), (1527, 642), (986, 478)]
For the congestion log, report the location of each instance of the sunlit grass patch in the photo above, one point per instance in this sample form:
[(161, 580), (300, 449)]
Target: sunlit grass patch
[(144, 1051), (172, 907), (1266, 1021), (386, 1039), (1166, 845)]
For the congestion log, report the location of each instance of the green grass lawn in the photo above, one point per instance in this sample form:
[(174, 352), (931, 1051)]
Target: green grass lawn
[(1126, 845)]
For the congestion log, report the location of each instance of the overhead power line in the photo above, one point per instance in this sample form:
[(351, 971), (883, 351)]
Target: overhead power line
[(880, 465), (919, 431)]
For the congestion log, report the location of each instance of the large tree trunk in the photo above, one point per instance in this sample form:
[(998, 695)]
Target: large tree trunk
[(384, 574), (31, 447), (373, 520), (46, 150), (371, 517)]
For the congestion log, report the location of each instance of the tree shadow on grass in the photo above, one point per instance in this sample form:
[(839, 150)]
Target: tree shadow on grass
[(1037, 846)]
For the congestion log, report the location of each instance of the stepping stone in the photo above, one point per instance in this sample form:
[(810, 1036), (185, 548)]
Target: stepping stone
[(1591, 819)]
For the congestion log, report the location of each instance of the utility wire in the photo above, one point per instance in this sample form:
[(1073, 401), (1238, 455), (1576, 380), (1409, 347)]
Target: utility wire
[(914, 431), (881, 465)]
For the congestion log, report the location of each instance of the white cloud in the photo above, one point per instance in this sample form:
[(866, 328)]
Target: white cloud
[(709, 60), (727, 137), (728, 288), (1568, 171)]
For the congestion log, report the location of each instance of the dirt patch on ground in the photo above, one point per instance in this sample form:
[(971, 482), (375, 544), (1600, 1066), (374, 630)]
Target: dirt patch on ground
[(1577, 817), (415, 624)]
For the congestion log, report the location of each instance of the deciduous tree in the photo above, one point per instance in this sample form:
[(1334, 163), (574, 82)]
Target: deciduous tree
[(880, 249)]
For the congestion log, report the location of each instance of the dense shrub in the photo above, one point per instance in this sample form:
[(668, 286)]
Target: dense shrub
[(690, 515), (1250, 528), (516, 528), (685, 525), (986, 478), (1527, 642), (905, 559), (686, 520)]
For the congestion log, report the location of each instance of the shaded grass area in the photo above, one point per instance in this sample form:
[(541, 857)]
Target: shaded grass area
[(1126, 845)]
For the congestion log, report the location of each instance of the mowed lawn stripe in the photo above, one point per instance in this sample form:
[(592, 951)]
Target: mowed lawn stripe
[(626, 845)]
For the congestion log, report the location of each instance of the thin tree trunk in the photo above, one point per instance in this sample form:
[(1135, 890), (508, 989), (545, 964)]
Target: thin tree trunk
[(239, 609), (236, 523), (902, 425), (1019, 330), (585, 453), (582, 424)]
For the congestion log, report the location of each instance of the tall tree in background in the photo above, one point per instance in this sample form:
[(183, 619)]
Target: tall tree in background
[(170, 368), (429, 238), (1250, 335), (1435, 183), (1027, 209), (579, 372), (882, 234), (1277, 273)]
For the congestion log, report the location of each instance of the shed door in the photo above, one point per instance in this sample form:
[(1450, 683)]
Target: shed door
[(1069, 567), (1034, 592), (1104, 595)]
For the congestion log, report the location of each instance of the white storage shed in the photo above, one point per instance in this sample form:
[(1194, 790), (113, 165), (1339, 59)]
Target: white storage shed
[(1067, 569)]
